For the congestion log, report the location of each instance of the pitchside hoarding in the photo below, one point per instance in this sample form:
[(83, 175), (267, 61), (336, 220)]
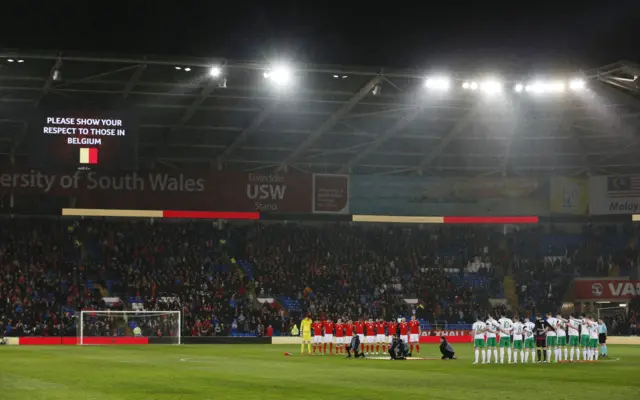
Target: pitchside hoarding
[(198, 190)]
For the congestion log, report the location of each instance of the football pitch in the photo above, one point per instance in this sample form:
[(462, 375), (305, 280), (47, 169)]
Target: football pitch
[(263, 372)]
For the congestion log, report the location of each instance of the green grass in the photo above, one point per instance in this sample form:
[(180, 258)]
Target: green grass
[(262, 372)]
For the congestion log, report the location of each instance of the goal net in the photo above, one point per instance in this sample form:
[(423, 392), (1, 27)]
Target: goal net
[(157, 324)]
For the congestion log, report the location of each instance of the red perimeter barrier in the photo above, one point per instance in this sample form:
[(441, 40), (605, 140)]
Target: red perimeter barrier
[(450, 339), (72, 340)]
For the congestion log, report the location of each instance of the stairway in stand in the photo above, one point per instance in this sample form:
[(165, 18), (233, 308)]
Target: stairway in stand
[(510, 292)]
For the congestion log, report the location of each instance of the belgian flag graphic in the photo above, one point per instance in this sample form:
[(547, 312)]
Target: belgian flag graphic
[(89, 155)]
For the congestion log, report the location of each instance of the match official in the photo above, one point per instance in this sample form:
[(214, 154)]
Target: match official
[(602, 338)]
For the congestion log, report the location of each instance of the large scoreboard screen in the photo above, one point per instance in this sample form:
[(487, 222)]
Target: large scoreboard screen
[(83, 140)]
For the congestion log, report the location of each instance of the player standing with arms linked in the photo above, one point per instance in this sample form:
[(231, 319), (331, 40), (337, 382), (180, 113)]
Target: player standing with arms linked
[(573, 325), (380, 338), (370, 328), (552, 337), (348, 331), (529, 340), (479, 328), (492, 330), (414, 334), (317, 336), (518, 344), (404, 330), (340, 337), (359, 327), (506, 326), (392, 330), (305, 332), (562, 338), (541, 339), (593, 340), (328, 336), (584, 336)]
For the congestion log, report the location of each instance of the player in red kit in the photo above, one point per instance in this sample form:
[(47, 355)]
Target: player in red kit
[(414, 334), (404, 330), (340, 337), (371, 336), (348, 331), (392, 329), (317, 335), (328, 336), (380, 338), (359, 327)]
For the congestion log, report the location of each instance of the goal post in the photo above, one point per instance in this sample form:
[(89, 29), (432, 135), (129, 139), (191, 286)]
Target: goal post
[(158, 324)]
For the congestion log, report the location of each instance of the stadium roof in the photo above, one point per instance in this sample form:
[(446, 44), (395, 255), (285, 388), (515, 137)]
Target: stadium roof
[(333, 118)]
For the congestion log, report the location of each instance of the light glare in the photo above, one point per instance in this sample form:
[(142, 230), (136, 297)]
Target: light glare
[(576, 84), (438, 83), (491, 86), (280, 75), (215, 72), (519, 87)]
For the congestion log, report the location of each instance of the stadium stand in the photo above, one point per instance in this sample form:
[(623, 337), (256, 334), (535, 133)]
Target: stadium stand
[(215, 275)]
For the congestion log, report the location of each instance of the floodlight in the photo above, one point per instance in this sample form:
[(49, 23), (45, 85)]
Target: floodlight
[(438, 83), (20, 61), (215, 71), (281, 75), (178, 68), (546, 87), (491, 86), (519, 87), (187, 69), (10, 60), (576, 84), (469, 85)]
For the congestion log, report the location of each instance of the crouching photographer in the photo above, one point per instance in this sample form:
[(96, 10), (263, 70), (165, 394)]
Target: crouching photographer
[(399, 350), (355, 347), (446, 349)]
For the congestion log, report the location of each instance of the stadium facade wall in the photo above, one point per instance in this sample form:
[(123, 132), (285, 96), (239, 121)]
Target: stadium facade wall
[(398, 195)]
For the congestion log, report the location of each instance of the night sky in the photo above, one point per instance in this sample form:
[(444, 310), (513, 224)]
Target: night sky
[(411, 34)]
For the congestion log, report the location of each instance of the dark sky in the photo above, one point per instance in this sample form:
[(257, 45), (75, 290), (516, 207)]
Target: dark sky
[(390, 33)]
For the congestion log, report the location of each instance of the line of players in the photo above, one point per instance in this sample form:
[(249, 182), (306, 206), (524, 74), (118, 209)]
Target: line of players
[(375, 336), (583, 336)]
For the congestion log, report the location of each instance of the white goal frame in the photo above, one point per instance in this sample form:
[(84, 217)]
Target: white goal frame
[(133, 313)]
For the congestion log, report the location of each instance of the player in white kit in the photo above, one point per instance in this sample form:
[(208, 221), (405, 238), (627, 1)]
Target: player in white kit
[(552, 338), (492, 330), (562, 339), (518, 343), (506, 327), (594, 330), (573, 324), (478, 329), (529, 340)]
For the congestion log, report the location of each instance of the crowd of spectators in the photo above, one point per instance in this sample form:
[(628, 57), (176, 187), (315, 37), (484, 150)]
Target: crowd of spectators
[(222, 276)]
